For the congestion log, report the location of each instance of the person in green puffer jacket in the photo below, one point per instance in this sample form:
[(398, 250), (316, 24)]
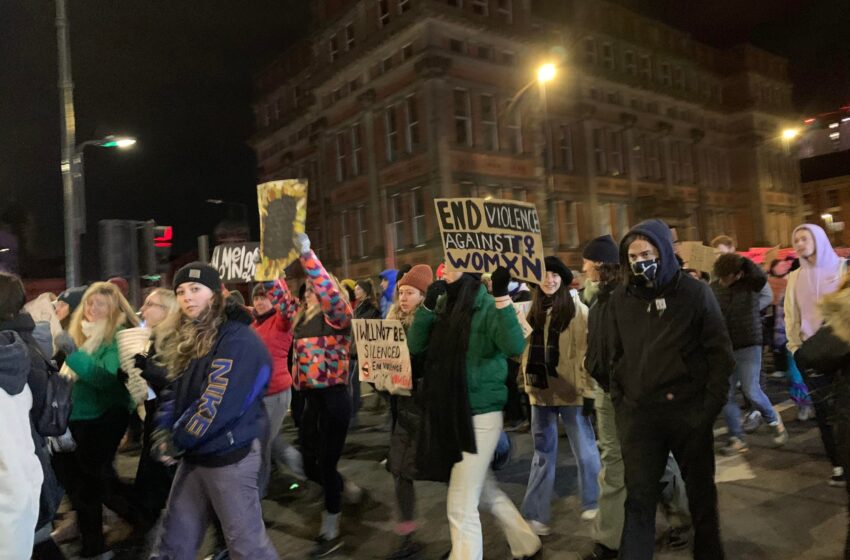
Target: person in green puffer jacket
[(101, 409), (468, 336)]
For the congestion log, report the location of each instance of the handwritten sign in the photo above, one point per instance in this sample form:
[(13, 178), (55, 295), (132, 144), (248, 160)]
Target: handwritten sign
[(697, 256), (283, 212), (236, 262), (480, 235), (382, 355)]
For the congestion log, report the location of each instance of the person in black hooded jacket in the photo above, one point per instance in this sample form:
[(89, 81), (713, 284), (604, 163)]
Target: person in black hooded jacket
[(671, 362)]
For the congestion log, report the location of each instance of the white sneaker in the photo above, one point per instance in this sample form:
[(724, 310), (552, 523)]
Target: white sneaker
[(589, 514), (780, 434), (540, 529), (805, 412)]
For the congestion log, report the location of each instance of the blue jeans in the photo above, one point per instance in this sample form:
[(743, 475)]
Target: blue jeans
[(541, 480), (748, 372)]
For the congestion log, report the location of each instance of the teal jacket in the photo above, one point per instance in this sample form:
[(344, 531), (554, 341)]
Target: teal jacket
[(98, 388), (495, 335)]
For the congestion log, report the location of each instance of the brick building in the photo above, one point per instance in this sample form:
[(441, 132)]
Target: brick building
[(391, 103), (826, 193)]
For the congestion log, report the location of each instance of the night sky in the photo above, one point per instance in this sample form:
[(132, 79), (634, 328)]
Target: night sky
[(178, 75)]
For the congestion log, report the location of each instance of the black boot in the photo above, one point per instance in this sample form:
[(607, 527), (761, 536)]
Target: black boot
[(408, 548)]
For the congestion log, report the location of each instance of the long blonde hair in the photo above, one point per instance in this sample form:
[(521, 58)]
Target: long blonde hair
[(183, 339), (169, 301), (120, 313)]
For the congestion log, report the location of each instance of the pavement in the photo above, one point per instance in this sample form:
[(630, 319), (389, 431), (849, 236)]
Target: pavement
[(775, 504)]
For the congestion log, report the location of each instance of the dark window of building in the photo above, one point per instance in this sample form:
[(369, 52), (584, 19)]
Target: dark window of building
[(349, 36), (456, 45), (505, 10), (407, 52), (383, 12), (508, 58), (411, 117), (565, 145), (590, 50), (387, 64), (463, 118), (608, 56), (484, 52), (834, 199), (391, 133), (334, 48), (481, 7), (404, 5), (489, 123), (629, 63)]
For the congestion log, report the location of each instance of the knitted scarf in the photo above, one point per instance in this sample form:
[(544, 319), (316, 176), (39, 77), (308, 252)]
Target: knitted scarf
[(544, 353)]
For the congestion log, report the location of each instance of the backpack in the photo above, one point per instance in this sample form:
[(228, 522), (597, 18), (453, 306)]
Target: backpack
[(53, 420)]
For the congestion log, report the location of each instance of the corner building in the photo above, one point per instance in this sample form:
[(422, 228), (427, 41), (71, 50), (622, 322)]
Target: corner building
[(392, 103)]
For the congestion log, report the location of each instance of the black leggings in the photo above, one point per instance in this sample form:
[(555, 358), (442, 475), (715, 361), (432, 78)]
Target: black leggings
[(324, 427)]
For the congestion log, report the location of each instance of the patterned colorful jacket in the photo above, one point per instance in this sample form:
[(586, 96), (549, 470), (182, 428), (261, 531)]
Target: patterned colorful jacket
[(323, 343)]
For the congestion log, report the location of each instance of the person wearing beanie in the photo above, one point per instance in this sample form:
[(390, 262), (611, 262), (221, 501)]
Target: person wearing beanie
[(559, 387), (601, 267), (367, 308), (348, 285), (671, 362), (274, 307), (122, 285), (410, 290), (66, 303), (212, 417)]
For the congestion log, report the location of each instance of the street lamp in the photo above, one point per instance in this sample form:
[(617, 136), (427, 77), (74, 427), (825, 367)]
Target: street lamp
[(75, 213), (545, 74), (790, 133)]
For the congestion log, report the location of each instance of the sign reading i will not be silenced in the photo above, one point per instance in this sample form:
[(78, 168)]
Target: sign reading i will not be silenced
[(481, 235), (382, 355)]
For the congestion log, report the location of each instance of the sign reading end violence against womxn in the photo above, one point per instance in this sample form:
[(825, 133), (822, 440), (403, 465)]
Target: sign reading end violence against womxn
[(481, 235)]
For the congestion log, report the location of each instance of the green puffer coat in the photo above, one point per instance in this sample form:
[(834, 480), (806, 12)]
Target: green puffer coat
[(495, 335)]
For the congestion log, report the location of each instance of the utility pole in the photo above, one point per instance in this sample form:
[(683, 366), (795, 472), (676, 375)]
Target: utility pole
[(69, 129)]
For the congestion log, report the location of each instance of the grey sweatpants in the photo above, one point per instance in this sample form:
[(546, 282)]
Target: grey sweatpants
[(229, 491)]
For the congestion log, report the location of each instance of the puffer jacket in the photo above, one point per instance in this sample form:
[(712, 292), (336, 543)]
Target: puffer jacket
[(323, 343), (573, 383), (275, 330), (741, 304), (495, 335)]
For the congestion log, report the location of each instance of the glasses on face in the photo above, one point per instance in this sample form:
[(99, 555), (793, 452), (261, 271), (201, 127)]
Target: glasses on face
[(153, 304)]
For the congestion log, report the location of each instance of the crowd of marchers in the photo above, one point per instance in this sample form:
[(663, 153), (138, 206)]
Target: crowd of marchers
[(637, 361)]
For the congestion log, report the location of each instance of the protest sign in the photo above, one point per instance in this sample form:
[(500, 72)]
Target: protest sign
[(480, 235), (697, 256), (382, 355), (283, 211), (236, 262)]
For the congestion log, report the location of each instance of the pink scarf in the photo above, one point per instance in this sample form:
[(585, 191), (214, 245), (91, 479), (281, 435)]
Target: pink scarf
[(816, 281)]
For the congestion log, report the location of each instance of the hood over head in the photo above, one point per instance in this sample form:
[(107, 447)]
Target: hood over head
[(14, 362), (827, 258), (390, 276), (660, 236)]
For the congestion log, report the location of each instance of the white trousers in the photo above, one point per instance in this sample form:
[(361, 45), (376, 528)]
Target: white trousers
[(472, 483)]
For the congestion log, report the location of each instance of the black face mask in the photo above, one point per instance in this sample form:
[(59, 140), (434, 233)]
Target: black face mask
[(644, 272)]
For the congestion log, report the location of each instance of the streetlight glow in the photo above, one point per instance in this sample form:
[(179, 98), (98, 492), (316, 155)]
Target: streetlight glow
[(826, 217), (790, 133), (546, 73), (122, 142)]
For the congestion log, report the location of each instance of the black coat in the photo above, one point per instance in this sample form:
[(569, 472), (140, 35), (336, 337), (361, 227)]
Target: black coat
[(740, 306), (409, 416), (598, 357)]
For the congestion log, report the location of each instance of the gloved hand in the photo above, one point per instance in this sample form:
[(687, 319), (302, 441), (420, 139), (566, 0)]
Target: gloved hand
[(587, 406), (64, 343), (140, 361), (500, 279), (302, 243), (435, 290)]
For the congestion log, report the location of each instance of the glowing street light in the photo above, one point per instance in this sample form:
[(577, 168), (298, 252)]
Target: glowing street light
[(122, 142), (790, 133), (546, 73)]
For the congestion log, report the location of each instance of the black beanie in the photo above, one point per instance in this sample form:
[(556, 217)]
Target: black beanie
[(556, 265), (602, 250), (200, 273), (366, 286)]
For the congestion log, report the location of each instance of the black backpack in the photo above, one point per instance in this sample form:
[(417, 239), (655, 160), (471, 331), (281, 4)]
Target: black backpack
[(53, 420)]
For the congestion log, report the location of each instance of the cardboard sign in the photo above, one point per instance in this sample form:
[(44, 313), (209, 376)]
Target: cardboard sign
[(382, 355), (236, 262), (283, 211), (697, 256), (522, 308), (481, 235)]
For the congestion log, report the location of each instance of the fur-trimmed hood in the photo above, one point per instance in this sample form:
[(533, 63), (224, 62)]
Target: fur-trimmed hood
[(835, 309)]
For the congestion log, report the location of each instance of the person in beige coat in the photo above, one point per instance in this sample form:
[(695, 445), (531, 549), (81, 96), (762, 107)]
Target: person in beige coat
[(558, 386)]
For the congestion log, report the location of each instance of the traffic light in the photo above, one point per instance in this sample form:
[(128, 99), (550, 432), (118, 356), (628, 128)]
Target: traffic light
[(129, 247)]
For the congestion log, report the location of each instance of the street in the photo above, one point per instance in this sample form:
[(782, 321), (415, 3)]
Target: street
[(775, 504)]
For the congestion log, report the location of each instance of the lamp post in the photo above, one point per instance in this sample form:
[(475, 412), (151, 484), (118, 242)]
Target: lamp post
[(546, 73)]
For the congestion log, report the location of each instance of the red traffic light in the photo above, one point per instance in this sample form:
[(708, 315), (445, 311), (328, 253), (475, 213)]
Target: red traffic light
[(163, 236)]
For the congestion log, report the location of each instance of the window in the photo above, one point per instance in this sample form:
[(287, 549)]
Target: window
[(599, 151), (354, 85), (463, 121), (403, 6), (489, 125), (565, 147), (653, 159), (356, 150), (686, 162), (508, 58), (407, 52), (417, 211), (340, 157), (391, 133), (278, 108), (344, 218), (455, 3), (614, 98), (615, 154), (629, 63), (636, 104), (338, 94), (383, 12), (664, 74), (678, 78), (296, 96), (608, 56), (397, 221), (456, 45), (514, 128), (604, 217), (568, 223), (505, 10), (674, 163), (652, 107), (334, 48), (362, 229), (484, 52), (833, 198), (645, 67), (590, 50), (637, 157), (480, 7), (387, 64), (411, 118), (349, 36)]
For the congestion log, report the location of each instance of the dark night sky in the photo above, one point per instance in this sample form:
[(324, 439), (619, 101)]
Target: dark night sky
[(177, 74)]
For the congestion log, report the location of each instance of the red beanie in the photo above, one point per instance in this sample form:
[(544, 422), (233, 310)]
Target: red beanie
[(419, 277)]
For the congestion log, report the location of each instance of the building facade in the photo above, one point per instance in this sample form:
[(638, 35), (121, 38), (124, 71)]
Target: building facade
[(392, 103), (825, 134), (826, 193)]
